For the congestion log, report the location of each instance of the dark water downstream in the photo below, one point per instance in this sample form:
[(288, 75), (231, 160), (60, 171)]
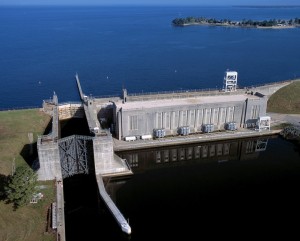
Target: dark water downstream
[(238, 188)]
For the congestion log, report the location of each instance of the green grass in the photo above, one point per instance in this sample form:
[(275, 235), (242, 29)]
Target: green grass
[(28, 223), (286, 100), (14, 141)]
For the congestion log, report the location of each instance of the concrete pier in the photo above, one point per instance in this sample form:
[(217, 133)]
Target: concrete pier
[(90, 111), (107, 163), (112, 207)]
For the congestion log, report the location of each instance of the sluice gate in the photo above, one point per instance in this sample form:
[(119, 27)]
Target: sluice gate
[(76, 155)]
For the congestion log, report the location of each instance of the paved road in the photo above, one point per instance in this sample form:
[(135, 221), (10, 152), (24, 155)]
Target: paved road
[(277, 118)]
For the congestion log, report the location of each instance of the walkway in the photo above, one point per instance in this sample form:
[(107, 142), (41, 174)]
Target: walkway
[(112, 207), (60, 219), (276, 119), (120, 145)]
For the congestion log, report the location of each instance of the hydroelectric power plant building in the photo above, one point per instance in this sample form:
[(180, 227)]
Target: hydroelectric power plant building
[(182, 113)]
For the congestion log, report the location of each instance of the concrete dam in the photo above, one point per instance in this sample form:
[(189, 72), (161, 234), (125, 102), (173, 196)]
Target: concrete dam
[(140, 121)]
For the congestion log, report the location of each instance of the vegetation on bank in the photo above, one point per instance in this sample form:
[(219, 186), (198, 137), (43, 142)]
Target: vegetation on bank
[(244, 23), (286, 100), (21, 220)]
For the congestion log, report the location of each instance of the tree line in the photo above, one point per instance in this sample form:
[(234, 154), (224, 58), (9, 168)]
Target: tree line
[(243, 23)]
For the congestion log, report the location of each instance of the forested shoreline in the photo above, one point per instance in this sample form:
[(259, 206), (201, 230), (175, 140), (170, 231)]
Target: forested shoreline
[(243, 23)]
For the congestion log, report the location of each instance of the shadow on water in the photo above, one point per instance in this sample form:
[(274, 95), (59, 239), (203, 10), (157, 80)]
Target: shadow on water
[(80, 193), (248, 190), (86, 215), (246, 186), (75, 126), (81, 207)]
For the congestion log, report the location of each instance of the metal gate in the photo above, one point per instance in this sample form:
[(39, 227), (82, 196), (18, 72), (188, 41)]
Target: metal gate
[(76, 155)]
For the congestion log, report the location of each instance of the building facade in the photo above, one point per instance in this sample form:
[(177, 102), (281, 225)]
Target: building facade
[(185, 112)]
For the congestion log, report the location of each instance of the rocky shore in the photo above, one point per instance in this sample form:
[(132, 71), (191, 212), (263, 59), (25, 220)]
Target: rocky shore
[(292, 130), (291, 133)]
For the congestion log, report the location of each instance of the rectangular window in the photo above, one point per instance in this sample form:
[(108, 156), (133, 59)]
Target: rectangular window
[(180, 122), (230, 114), (184, 117), (173, 121), (192, 118), (207, 114), (167, 120), (215, 116), (159, 121), (133, 122), (255, 112), (222, 116)]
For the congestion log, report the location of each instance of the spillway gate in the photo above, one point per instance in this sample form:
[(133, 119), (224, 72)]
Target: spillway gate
[(76, 155)]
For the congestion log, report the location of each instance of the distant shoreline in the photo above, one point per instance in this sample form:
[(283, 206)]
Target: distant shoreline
[(265, 24), (266, 6), (237, 26)]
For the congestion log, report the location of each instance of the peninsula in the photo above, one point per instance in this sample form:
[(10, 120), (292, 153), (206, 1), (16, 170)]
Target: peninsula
[(272, 23)]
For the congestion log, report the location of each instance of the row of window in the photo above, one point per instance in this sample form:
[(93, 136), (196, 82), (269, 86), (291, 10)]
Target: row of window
[(193, 118)]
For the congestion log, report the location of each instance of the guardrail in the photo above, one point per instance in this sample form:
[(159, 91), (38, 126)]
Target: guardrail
[(186, 91)]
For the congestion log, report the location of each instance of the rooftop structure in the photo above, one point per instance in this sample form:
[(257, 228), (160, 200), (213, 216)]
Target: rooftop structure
[(230, 81)]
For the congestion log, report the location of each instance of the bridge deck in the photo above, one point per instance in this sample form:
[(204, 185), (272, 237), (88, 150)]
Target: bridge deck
[(112, 207)]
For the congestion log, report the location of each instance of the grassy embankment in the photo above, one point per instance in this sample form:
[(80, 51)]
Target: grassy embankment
[(27, 223), (286, 100)]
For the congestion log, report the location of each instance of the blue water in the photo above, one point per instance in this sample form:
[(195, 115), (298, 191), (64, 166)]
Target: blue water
[(41, 49)]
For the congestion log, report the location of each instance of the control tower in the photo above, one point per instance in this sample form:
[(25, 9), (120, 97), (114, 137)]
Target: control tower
[(230, 81)]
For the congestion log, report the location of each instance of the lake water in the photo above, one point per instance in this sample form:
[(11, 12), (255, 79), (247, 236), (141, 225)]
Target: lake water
[(229, 189), (138, 48)]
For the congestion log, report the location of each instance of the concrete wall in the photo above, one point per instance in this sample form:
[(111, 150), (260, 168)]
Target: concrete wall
[(68, 111), (49, 161), (103, 154), (255, 108)]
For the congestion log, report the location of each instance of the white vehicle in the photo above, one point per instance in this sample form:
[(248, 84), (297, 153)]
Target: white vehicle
[(146, 137), (130, 138)]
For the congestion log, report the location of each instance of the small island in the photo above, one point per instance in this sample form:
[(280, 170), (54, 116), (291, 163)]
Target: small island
[(272, 23)]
